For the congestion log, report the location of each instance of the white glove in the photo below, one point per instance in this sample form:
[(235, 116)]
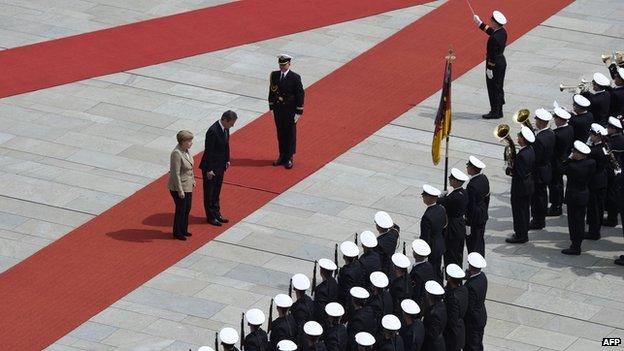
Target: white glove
[(489, 73), (477, 20), (297, 118)]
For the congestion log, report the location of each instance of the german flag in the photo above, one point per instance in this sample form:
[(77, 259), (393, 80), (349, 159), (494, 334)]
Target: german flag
[(443, 117)]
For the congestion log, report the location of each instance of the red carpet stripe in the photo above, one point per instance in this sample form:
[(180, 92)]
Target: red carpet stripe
[(58, 288), (141, 44)]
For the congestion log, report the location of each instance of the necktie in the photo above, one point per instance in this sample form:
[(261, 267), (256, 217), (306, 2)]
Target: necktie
[(282, 76)]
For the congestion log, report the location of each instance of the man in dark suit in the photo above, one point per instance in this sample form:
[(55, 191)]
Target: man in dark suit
[(435, 317), (600, 100), (476, 314), (413, 330), (455, 204), (370, 258), (598, 183), (381, 299), (336, 338), (495, 62), (390, 339), (284, 326), (387, 240), (478, 190), (456, 299), (401, 285), (581, 119), (564, 136), (544, 148), (522, 186), (327, 291), (579, 171), (615, 196), (350, 274), (257, 339), (422, 271), (303, 307), (617, 93), (286, 97), (432, 226), (363, 318), (214, 163)]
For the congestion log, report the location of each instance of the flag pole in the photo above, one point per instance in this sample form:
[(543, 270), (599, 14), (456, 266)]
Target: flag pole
[(449, 59)]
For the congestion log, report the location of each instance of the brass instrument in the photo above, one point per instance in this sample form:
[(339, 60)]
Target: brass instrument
[(583, 87), (616, 57), (522, 117), (501, 132), (613, 161)]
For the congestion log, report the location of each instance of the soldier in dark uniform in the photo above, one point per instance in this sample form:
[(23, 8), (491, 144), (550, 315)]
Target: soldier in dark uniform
[(413, 330), (455, 204), (581, 119), (390, 340), (286, 97), (598, 183), (600, 100), (284, 326), (422, 271), (544, 148), (435, 316), (303, 307), (432, 226), (228, 337), (350, 274), (495, 62), (564, 136), (387, 240), (478, 190), (362, 318), (614, 198), (401, 285), (257, 339), (286, 345), (327, 291), (522, 186), (370, 258), (364, 341), (476, 314), (617, 92), (311, 339), (456, 300), (336, 338), (381, 299)]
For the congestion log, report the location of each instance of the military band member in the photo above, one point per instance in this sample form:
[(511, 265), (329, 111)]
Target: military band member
[(564, 137), (617, 93), (257, 339), (613, 203), (284, 326), (456, 300), (432, 226), (363, 317), (478, 190), (476, 314), (364, 341), (413, 331), (350, 274), (387, 240), (495, 62), (228, 337), (544, 148), (336, 338), (390, 338), (286, 345), (598, 183), (522, 186), (370, 258), (311, 341), (435, 317), (286, 97), (327, 291), (422, 271), (381, 299), (401, 285), (455, 204), (582, 118), (600, 99)]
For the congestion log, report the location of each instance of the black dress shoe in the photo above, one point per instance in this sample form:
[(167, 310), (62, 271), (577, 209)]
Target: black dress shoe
[(571, 251), (491, 116), (214, 222), (536, 226), (288, 164), (591, 236), (554, 211), (188, 234), (278, 162), (223, 219), (516, 240), (180, 237), (609, 222), (619, 261)]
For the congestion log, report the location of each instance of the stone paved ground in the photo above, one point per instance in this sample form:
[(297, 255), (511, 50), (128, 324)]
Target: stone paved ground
[(111, 135)]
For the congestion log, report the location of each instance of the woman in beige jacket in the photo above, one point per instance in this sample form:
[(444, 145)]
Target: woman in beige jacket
[(181, 183)]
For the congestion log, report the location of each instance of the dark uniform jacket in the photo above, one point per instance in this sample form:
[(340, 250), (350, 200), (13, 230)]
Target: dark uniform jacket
[(476, 315), (599, 179), (564, 138), (336, 338), (371, 262), (413, 336), (362, 319), (287, 95), (283, 328), (581, 124), (432, 226), (455, 204), (324, 293), (579, 173), (456, 306), (599, 107), (435, 323), (522, 177), (544, 147), (392, 344), (381, 304), (617, 146), (216, 149), (617, 101), (495, 44), (400, 289), (303, 311), (386, 245), (256, 341), (420, 274), (304, 345), (478, 191), (350, 275)]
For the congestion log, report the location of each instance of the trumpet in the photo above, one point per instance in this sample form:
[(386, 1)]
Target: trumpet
[(583, 87), (522, 117), (501, 132), (616, 57)]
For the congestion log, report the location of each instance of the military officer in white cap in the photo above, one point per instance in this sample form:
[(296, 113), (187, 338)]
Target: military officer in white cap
[(364, 341), (387, 240), (456, 299), (522, 186), (363, 318), (381, 299), (390, 338), (432, 226), (371, 257), (286, 97), (564, 137), (312, 338), (495, 63), (257, 339), (613, 203), (579, 171), (284, 326), (327, 291), (617, 93), (435, 317), (544, 147), (476, 315), (286, 345), (455, 204), (413, 331), (228, 337), (422, 271), (303, 307), (336, 338), (478, 190), (598, 183), (350, 274), (582, 118), (600, 99), (401, 285)]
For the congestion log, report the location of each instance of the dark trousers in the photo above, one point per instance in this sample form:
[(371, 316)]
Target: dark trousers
[(539, 203), (495, 89), (474, 339), (182, 211), (286, 132), (475, 242), (612, 198), (212, 191), (520, 213), (436, 263), (555, 188), (454, 252), (576, 224), (595, 210)]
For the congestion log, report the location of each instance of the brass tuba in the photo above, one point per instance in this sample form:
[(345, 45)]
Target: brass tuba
[(501, 132), (522, 117), (583, 87)]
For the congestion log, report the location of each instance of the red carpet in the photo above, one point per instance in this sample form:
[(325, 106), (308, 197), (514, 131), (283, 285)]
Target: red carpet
[(141, 44), (55, 290)]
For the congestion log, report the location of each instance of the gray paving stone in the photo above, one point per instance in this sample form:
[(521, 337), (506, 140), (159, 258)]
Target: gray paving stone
[(542, 338), (182, 304), (258, 275), (93, 331)]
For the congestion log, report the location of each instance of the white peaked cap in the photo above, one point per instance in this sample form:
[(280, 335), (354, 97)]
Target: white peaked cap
[(349, 249), (459, 175), (327, 264), (286, 345), (383, 220), (364, 339), (581, 147), (476, 162), (379, 279), (283, 300), (597, 128), (286, 56), (476, 260), (313, 328), (334, 309), (601, 79), (455, 271), (620, 71), (390, 322), (205, 348), (527, 134), (542, 114), (410, 306), (400, 260), (359, 292), (614, 122), (300, 282), (581, 100), (228, 336), (561, 113), (421, 248), (434, 288), (255, 317), (499, 17), (431, 190), (368, 239)]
